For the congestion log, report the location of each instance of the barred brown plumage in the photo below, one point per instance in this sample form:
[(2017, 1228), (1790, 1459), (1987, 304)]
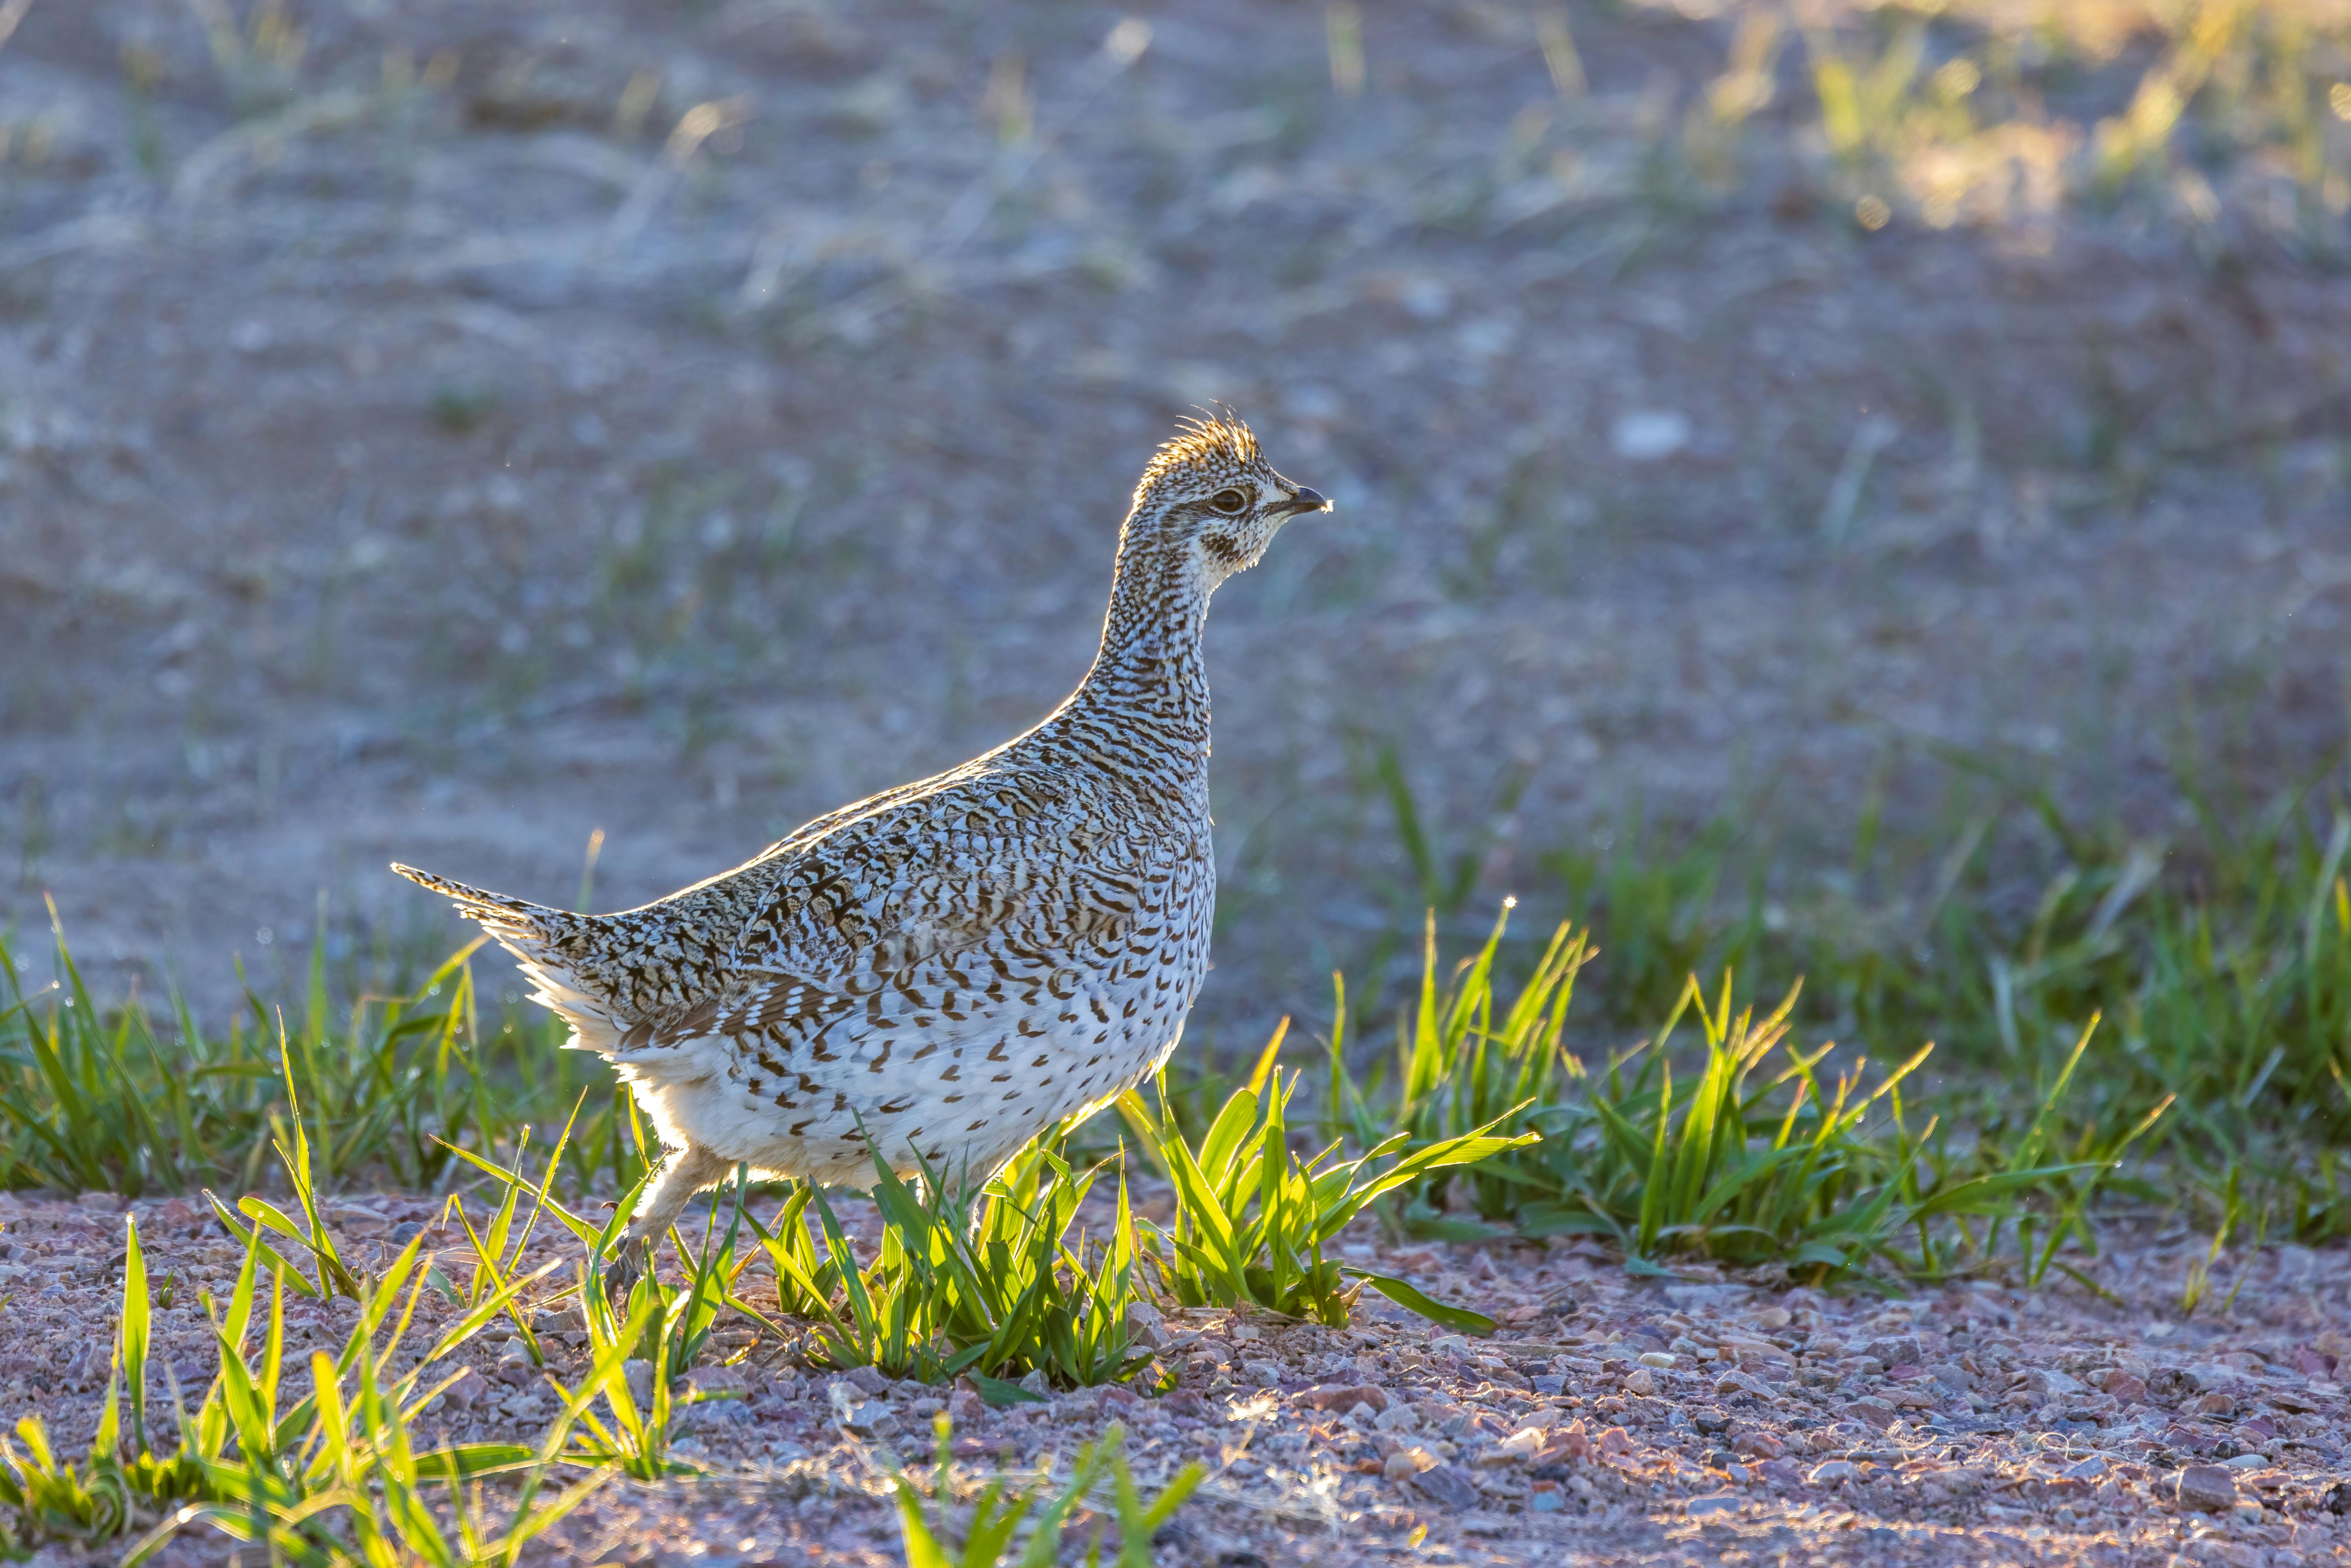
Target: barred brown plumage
[(947, 967)]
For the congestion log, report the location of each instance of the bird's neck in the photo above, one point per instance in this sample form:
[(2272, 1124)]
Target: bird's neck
[(1149, 682)]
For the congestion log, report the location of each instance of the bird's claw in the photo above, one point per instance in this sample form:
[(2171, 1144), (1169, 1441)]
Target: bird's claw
[(628, 1266)]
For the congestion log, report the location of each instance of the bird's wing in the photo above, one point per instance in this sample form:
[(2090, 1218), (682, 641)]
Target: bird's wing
[(926, 880)]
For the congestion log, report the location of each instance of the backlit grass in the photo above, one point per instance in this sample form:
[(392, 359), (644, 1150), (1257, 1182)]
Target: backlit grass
[(117, 1100), (2220, 966)]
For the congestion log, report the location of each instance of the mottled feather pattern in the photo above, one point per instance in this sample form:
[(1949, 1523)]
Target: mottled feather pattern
[(946, 969)]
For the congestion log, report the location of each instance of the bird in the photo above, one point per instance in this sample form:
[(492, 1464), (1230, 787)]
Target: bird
[(932, 975)]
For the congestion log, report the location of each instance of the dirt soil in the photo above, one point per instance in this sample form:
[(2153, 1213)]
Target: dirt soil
[(438, 430), (1700, 1420)]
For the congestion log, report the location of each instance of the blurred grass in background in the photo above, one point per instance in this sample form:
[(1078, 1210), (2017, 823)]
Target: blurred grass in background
[(2230, 119), (2223, 966)]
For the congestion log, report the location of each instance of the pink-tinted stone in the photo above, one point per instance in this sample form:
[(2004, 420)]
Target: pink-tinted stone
[(2210, 1487), (1342, 1398)]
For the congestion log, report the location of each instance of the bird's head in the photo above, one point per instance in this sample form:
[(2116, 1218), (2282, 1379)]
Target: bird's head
[(1210, 495)]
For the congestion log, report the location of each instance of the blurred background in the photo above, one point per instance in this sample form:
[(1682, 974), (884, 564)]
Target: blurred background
[(1798, 465)]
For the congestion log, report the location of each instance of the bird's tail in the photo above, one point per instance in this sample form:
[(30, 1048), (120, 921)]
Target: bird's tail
[(537, 936), (507, 919)]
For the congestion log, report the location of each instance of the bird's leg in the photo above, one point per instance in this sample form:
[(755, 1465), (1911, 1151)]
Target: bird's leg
[(686, 1172)]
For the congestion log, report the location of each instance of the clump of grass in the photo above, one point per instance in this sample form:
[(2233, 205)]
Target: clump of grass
[(1000, 1294), (2223, 966), (333, 1475), (56, 1501), (660, 1328), (1789, 1170), (2312, 1202), (1748, 1164), (1252, 1217), (990, 1285), (458, 409), (93, 1102), (807, 1276), (336, 1277), (641, 1345), (987, 1285), (1001, 1509), (1465, 1060), (260, 61)]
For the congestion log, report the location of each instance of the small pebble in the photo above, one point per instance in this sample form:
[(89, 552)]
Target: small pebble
[(470, 1389), (2209, 1488)]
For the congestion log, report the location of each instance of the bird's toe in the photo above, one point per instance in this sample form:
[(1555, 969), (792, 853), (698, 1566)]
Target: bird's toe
[(628, 1266)]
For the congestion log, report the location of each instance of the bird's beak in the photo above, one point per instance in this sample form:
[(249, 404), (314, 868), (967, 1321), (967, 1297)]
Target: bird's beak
[(1307, 500)]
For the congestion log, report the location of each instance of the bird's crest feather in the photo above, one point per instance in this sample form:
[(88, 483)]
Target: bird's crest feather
[(1217, 439)]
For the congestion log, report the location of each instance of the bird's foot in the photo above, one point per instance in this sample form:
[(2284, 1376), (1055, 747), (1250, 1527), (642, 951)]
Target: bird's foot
[(628, 1266)]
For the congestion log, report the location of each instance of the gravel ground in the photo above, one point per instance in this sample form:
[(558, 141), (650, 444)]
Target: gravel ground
[(1706, 1418)]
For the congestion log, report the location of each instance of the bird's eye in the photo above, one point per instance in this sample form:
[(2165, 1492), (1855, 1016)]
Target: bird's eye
[(1230, 502)]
